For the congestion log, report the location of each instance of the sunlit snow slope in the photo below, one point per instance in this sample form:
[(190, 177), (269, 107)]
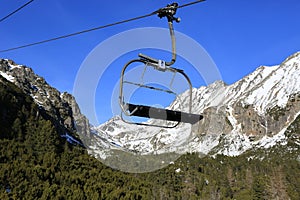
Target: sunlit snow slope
[(251, 113)]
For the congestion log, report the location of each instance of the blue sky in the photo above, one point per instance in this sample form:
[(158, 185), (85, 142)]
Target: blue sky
[(239, 35)]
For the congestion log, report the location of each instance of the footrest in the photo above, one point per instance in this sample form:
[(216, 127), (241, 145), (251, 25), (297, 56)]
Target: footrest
[(163, 114)]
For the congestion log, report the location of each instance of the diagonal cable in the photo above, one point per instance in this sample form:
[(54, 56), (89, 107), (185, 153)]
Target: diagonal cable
[(15, 11), (76, 33)]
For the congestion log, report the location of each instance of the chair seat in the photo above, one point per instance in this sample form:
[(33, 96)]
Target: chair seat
[(163, 114)]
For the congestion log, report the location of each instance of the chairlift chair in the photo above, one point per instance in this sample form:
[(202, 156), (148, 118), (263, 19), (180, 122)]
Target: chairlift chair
[(145, 111)]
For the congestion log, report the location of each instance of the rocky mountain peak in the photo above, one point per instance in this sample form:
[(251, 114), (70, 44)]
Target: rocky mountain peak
[(62, 107)]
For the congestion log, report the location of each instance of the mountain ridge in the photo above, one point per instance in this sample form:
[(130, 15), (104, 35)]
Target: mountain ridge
[(253, 112), (243, 115)]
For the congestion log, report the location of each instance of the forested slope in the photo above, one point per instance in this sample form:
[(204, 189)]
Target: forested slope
[(36, 162)]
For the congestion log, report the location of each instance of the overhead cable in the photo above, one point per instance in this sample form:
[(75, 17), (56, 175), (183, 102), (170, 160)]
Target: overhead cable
[(93, 29)]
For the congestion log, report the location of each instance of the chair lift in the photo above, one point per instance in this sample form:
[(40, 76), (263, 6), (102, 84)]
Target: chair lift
[(130, 109)]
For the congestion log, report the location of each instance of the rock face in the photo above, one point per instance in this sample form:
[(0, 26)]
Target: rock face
[(216, 123), (62, 107), (275, 118)]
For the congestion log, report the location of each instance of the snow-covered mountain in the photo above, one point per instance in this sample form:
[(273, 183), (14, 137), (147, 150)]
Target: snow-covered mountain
[(251, 113)]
